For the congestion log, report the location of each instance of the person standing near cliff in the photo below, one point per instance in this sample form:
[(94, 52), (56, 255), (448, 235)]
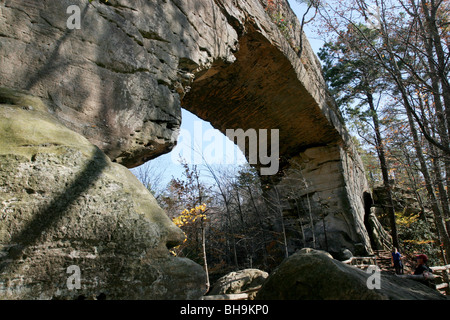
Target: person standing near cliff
[(397, 261)]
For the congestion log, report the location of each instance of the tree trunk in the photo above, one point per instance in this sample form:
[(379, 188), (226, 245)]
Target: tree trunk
[(440, 224), (436, 169), (300, 221), (394, 70), (203, 231), (261, 225), (205, 261), (232, 235), (280, 210), (443, 120), (312, 222), (241, 216), (384, 170), (431, 19)]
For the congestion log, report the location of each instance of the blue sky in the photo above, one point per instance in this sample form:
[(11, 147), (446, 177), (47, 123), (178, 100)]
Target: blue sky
[(200, 135)]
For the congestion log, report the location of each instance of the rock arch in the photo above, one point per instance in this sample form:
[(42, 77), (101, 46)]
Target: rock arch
[(121, 79), (265, 85)]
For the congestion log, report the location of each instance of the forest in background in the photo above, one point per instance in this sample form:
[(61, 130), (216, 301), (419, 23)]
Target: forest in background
[(387, 65), (229, 221)]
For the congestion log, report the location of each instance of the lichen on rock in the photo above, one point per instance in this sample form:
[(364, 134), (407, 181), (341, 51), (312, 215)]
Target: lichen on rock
[(63, 203)]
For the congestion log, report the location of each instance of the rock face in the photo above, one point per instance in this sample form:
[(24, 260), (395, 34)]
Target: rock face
[(239, 281), (404, 200), (314, 275), (121, 79), (325, 186), (64, 203), (381, 240)]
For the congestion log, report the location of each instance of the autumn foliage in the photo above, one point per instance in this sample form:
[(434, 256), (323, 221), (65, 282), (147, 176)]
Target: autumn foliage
[(387, 64)]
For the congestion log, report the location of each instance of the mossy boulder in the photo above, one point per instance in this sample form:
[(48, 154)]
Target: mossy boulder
[(314, 275), (64, 203)]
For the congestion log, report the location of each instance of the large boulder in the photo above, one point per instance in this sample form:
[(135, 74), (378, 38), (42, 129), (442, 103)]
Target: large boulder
[(63, 203), (239, 281), (313, 275)]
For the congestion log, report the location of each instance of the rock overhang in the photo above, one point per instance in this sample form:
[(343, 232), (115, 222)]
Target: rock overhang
[(120, 80)]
